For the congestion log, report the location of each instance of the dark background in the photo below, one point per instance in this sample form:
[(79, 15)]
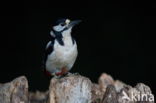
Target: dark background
[(114, 37)]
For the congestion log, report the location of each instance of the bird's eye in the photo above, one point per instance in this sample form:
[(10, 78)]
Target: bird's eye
[(63, 24)]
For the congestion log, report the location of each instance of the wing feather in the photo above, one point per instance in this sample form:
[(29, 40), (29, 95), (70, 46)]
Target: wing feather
[(48, 49)]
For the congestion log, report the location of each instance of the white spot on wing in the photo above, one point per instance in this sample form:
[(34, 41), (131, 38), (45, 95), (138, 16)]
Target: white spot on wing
[(52, 34), (48, 44)]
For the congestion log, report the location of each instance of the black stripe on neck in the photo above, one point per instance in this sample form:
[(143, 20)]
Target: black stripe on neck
[(58, 37)]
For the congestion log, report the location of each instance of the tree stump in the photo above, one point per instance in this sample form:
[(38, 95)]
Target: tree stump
[(70, 89), (15, 91), (76, 89)]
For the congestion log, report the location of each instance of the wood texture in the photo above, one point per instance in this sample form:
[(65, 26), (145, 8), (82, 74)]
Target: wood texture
[(75, 88)]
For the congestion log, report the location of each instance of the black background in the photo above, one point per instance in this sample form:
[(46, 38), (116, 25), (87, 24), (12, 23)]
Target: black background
[(114, 37)]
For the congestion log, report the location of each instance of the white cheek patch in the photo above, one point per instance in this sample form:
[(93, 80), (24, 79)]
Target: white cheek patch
[(67, 21)]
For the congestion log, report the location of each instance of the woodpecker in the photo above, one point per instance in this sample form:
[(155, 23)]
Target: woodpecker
[(61, 51)]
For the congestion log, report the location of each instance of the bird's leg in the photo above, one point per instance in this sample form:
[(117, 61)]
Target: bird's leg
[(63, 72)]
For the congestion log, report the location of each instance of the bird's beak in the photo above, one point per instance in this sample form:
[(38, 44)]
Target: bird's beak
[(73, 23)]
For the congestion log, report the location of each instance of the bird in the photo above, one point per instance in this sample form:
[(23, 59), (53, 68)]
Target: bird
[(61, 51)]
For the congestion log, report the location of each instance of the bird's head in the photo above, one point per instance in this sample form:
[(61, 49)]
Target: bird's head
[(63, 25)]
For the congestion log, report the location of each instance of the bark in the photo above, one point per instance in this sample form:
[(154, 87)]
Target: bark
[(15, 91), (75, 88), (71, 89)]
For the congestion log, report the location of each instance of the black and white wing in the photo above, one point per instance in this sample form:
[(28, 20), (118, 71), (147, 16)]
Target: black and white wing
[(48, 50)]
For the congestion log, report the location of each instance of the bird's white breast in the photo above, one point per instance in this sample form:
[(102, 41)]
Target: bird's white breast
[(63, 55), (66, 53)]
